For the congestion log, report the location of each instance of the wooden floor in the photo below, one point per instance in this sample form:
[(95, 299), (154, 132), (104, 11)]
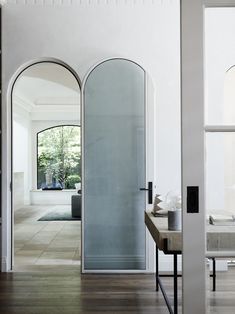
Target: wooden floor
[(61, 289)]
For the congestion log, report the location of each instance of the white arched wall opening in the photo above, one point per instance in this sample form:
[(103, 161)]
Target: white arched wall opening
[(149, 100), (159, 55), (7, 216), (7, 164)]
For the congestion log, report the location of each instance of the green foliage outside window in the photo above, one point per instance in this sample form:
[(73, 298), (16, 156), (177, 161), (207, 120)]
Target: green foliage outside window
[(59, 157)]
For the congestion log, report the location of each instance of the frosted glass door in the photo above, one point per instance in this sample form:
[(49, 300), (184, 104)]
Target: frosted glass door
[(114, 167)]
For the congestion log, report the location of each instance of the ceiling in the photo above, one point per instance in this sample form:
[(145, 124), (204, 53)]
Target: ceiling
[(46, 87)]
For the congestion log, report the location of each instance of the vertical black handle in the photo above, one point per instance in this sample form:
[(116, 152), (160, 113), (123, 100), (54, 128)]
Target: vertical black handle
[(150, 192), (192, 199)]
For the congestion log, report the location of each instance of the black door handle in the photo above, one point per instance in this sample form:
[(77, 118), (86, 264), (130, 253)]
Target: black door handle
[(150, 192)]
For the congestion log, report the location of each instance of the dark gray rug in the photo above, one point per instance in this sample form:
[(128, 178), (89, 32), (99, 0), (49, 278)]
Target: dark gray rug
[(58, 215)]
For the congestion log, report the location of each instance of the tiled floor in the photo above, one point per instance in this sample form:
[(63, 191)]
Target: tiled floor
[(45, 242)]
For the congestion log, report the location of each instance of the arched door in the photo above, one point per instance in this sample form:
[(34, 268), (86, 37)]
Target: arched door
[(114, 167)]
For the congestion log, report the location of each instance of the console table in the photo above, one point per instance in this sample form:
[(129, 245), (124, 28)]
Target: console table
[(219, 238)]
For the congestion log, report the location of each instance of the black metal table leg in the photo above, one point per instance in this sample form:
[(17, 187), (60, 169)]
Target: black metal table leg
[(157, 269), (172, 309), (175, 285)]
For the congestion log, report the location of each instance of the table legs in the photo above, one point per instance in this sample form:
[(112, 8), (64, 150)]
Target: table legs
[(175, 285), (175, 278), (157, 270)]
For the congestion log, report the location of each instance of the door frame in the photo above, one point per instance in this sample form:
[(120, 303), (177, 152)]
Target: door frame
[(192, 114), (150, 153), (7, 239), (193, 156), (7, 203)]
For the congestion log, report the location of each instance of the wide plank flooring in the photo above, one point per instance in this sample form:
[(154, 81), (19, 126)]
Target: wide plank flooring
[(53, 291), (61, 289)]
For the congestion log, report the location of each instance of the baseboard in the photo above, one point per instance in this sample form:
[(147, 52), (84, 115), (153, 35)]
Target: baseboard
[(4, 265), (115, 262)]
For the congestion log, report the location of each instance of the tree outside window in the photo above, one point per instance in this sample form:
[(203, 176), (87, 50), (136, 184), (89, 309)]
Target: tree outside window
[(59, 157)]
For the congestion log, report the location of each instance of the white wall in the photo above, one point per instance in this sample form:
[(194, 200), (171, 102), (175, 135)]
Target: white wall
[(21, 155), (52, 197), (84, 32), (18, 186), (89, 31)]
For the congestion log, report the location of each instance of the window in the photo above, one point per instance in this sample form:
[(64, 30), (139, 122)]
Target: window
[(59, 157)]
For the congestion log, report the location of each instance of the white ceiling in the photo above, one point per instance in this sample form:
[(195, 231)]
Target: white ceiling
[(47, 87)]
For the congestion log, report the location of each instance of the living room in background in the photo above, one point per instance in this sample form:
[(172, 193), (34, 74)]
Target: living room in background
[(46, 177)]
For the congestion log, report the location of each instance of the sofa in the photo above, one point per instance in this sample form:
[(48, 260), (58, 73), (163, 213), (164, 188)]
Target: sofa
[(76, 205)]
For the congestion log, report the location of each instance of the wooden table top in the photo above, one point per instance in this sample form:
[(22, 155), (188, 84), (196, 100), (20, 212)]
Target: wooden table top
[(219, 238)]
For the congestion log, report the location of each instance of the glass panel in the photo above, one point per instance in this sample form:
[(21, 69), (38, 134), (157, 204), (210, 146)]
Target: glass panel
[(114, 161), (220, 147), (220, 74), (220, 184), (220, 152)]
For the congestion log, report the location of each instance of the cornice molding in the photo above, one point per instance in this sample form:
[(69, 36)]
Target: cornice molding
[(85, 3), (55, 108), (46, 106), (56, 101), (23, 103)]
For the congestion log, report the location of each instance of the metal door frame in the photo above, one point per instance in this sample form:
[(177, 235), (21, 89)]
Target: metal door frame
[(149, 169)]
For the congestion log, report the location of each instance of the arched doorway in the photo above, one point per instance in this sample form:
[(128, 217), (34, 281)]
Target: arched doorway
[(45, 95)]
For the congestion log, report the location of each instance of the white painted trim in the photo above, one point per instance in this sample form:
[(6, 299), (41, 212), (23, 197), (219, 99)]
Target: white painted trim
[(150, 140), (23, 103), (45, 108), (220, 254), (82, 113), (4, 267), (192, 106), (92, 3), (219, 3), (220, 128)]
